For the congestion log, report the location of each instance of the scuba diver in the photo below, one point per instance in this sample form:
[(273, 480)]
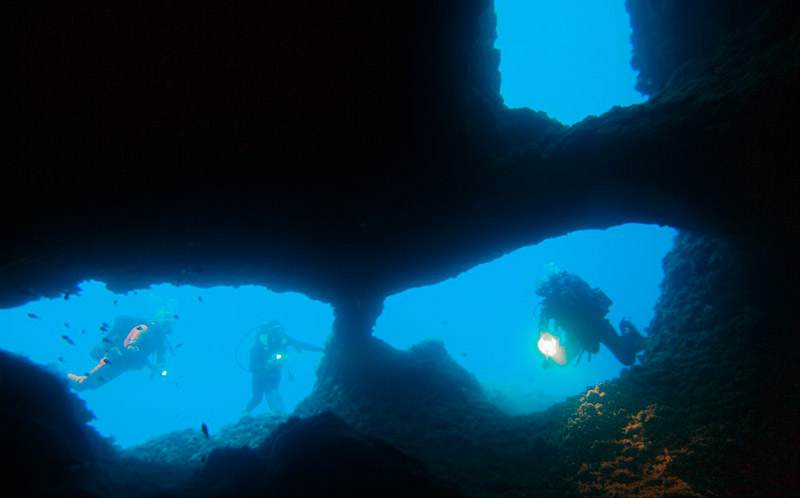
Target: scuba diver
[(128, 346), (267, 357), (580, 312)]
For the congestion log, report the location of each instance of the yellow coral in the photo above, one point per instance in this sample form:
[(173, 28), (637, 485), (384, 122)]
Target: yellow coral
[(626, 474), (586, 408)]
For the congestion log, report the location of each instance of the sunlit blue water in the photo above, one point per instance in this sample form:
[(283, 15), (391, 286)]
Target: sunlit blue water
[(487, 316), (568, 58), (206, 382)]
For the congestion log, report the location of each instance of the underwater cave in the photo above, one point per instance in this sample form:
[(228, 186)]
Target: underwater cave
[(204, 375), (347, 179)]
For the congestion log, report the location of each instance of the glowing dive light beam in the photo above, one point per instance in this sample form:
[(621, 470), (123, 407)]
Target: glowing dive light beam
[(278, 356), (550, 347), (163, 373)]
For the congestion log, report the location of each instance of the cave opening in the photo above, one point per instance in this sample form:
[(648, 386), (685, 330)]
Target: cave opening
[(487, 317), (570, 59), (205, 376)]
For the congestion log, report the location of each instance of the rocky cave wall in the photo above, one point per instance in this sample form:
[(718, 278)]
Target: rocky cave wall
[(668, 34), (710, 411), (349, 151), (133, 128)]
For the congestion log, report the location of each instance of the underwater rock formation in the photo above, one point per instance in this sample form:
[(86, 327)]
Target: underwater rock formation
[(189, 446), (427, 405), (423, 374), (349, 150), (709, 412), (316, 456), (668, 34), (47, 448), (353, 159)]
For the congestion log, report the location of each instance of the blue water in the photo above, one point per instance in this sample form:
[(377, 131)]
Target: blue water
[(206, 382), (568, 58), (487, 316)]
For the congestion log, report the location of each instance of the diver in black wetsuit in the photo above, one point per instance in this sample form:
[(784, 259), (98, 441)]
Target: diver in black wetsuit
[(267, 357), (581, 312)]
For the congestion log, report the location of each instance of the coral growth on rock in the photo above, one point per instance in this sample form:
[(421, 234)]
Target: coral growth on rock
[(709, 405), (636, 469)]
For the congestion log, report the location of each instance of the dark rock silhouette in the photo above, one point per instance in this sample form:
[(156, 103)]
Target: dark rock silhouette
[(350, 150), (47, 449), (342, 463), (255, 144)]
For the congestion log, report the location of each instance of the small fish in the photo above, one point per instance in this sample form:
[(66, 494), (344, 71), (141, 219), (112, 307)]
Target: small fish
[(200, 298), (140, 327), (106, 361), (66, 325), (101, 379), (176, 316), (68, 340), (105, 325), (66, 296), (33, 315), (178, 345), (204, 428), (107, 340), (61, 359), (83, 331), (203, 459)]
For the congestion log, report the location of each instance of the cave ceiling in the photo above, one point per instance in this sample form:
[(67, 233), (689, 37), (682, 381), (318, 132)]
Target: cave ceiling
[(350, 150)]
